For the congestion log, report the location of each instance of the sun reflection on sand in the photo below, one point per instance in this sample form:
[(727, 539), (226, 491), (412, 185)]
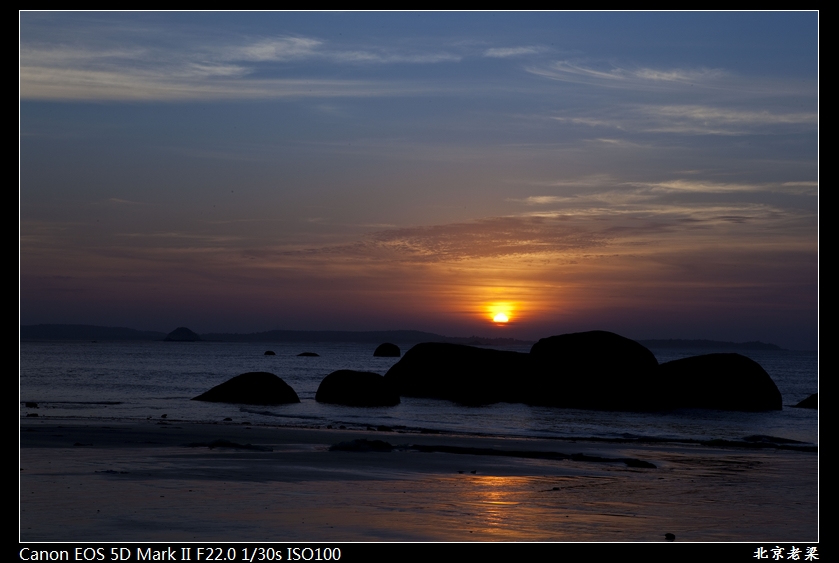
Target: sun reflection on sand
[(162, 491)]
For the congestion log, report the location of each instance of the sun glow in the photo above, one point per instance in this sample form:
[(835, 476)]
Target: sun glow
[(501, 313)]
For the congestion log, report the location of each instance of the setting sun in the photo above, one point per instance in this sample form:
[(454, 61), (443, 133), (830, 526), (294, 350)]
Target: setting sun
[(500, 312)]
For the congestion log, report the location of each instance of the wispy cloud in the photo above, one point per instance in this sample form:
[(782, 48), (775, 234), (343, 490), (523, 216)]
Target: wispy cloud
[(275, 49), (691, 119), (636, 214), (39, 83), (699, 186), (719, 121), (248, 70), (483, 238), (637, 78), (505, 52)]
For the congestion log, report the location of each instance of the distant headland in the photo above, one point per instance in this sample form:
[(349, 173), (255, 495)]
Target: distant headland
[(40, 332), (184, 334)]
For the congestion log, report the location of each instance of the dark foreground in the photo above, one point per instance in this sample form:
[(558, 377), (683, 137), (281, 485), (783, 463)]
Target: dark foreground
[(144, 481)]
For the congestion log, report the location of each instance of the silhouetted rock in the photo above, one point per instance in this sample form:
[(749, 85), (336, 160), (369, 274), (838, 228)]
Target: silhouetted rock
[(718, 381), (253, 388), (269, 353), (585, 370), (309, 355), (465, 374), (811, 402), (387, 350), (182, 334), (592, 370), (356, 389)]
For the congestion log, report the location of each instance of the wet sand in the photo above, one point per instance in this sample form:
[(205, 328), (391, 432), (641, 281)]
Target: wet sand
[(142, 481)]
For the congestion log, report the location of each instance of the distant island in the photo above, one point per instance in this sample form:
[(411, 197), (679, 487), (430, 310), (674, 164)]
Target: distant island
[(183, 334), (108, 333)]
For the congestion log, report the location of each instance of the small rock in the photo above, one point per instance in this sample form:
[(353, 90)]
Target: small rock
[(811, 402), (387, 350), (253, 388)]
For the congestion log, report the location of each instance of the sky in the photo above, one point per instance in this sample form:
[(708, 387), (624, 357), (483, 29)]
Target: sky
[(654, 174)]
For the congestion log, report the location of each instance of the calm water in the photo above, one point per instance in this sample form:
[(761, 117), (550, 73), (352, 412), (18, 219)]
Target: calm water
[(138, 380)]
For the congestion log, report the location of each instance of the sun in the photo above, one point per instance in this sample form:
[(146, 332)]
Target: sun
[(501, 312)]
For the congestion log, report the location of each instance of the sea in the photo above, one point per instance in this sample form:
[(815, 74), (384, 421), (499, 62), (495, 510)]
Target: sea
[(133, 381)]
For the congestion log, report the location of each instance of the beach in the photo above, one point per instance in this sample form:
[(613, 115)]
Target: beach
[(171, 480)]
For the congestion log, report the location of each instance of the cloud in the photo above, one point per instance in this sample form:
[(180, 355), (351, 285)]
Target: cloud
[(590, 121), (505, 52), (691, 119), (276, 49), (492, 237), (252, 69), (40, 83), (613, 217), (637, 78), (720, 121), (707, 187)]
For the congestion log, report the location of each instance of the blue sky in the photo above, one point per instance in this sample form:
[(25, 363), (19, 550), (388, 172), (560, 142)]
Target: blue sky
[(655, 174)]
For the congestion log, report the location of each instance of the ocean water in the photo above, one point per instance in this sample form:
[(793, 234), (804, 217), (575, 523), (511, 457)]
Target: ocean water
[(146, 380)]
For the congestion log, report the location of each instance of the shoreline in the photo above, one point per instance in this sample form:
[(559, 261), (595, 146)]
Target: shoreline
[(141, 481)]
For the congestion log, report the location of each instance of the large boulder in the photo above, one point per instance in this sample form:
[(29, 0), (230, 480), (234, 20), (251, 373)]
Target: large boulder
[(718, 381), (356, 389), (592, 370), (460, 373), (387, 350), (252, 388)]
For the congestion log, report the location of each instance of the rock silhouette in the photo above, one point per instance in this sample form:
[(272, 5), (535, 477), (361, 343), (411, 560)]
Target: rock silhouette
[(811, 402), (252, 388), (308, 355), (593, 370), (356, 389), (586, 370), (387, 350), (460, 373), (718, 381), (269, 353)]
